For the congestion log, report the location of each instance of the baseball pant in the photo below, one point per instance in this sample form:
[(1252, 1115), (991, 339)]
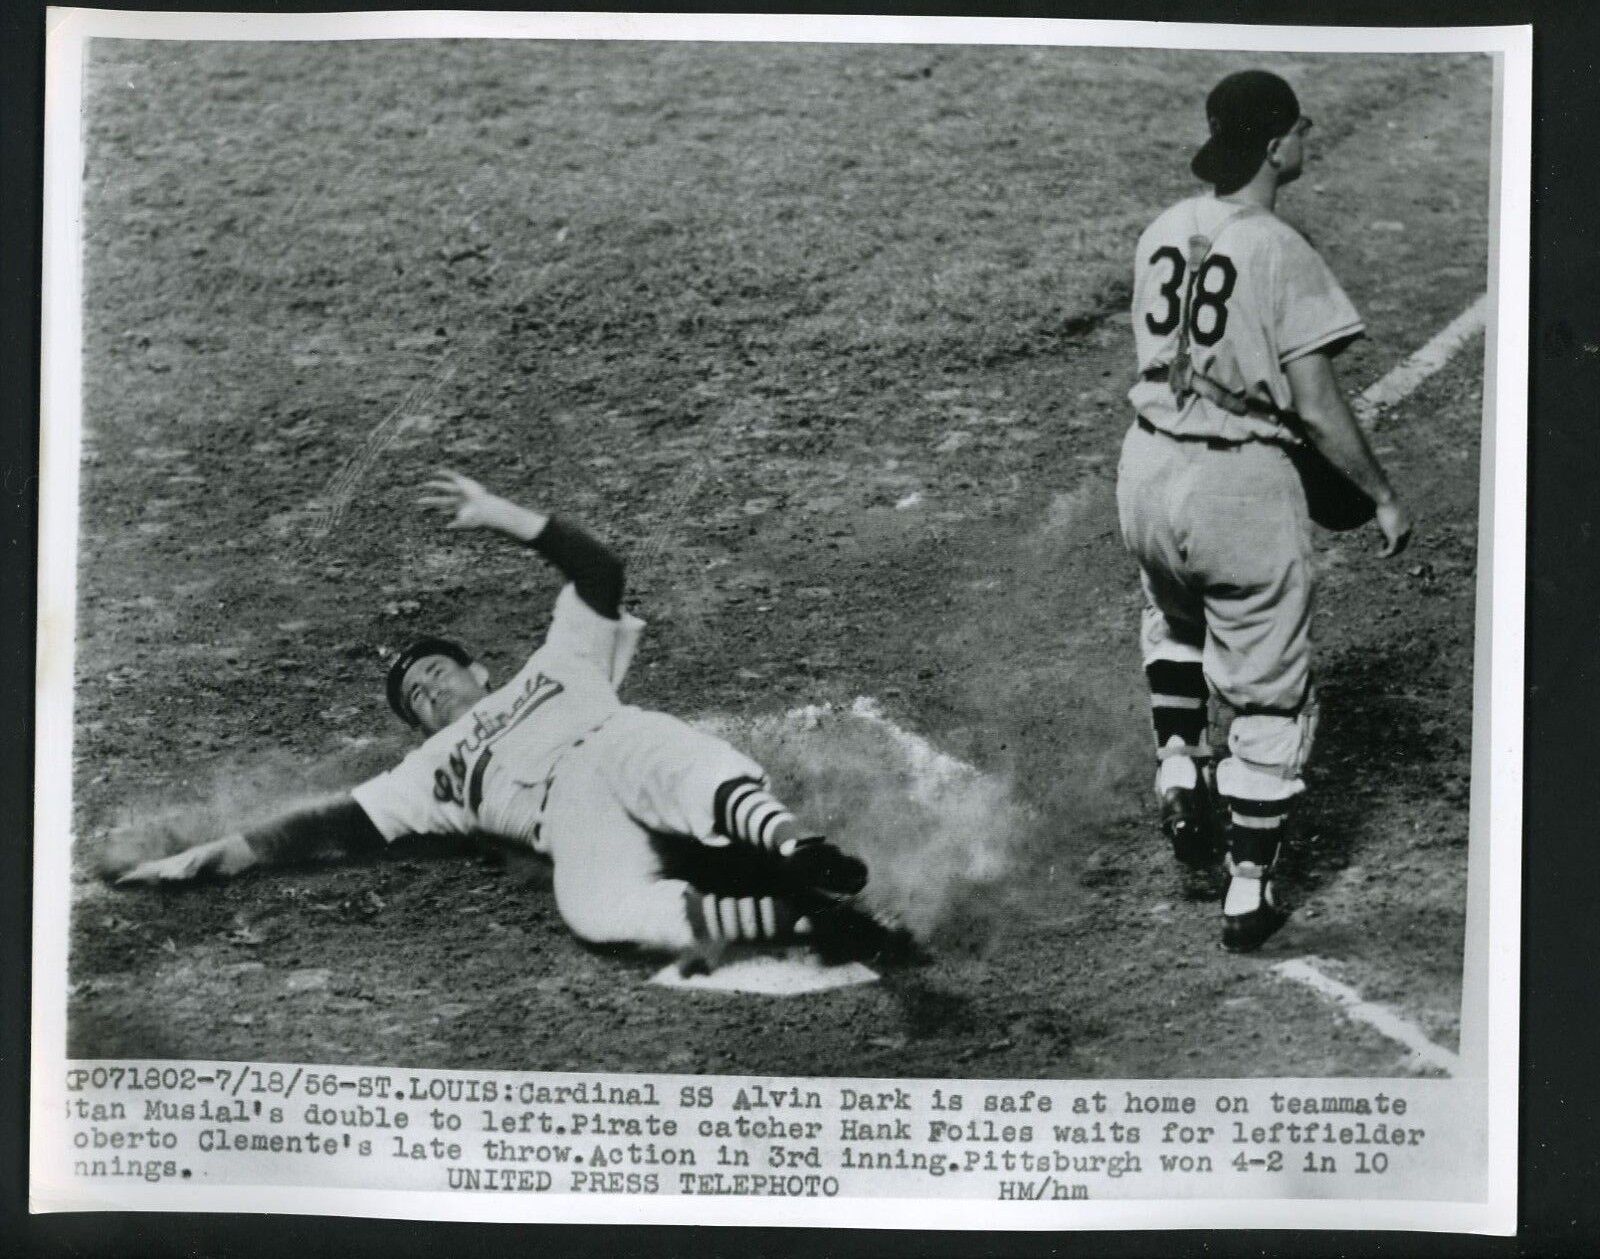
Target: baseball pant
[(1223, 542), (641, 775)]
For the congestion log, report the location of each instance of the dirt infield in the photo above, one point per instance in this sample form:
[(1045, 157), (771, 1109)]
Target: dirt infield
[(832, 342)]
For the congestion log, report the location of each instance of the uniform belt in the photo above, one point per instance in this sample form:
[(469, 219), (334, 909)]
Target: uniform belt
[(1210, 443), (1203, 386), (1218, 395)]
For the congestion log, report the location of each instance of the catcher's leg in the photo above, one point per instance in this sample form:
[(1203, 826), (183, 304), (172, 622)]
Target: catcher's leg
[(1172, 638), (1258, 658), (1173, 667)]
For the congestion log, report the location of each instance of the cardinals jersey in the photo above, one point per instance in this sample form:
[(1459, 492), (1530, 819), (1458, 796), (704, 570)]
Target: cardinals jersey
[(1257, 297), (486, 771)]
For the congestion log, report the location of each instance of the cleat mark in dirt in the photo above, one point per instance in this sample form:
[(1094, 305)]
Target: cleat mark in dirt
[(1394, 385), (1381, 1018)]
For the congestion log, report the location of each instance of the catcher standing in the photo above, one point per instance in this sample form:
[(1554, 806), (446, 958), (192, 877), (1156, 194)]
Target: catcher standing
[(622, 800), (1238, 417)]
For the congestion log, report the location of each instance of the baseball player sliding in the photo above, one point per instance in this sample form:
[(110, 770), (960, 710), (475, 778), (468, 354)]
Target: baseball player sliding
[(554, 760), (1237, 321)]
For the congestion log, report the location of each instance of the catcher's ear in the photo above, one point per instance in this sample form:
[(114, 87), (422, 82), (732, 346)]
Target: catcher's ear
[(478, 671)]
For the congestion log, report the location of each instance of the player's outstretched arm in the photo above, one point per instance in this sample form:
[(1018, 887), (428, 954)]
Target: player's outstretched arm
[(592, 567), (337, 823), (1332, 426)]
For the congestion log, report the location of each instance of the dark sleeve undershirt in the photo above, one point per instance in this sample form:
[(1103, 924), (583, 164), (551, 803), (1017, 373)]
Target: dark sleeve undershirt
[(593, 568), (340, 823)]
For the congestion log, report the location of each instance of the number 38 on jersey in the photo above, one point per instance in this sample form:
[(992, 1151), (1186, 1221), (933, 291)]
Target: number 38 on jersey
[(1209, 287)]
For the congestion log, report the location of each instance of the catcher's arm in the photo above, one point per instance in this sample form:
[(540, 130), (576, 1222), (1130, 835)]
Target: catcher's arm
[(595, 570), (1320, 402), (337, 822)]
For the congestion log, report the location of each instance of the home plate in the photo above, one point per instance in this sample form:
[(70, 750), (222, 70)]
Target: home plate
[(783, 975)]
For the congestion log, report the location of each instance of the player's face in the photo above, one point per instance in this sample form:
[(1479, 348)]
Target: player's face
[(1291, 153), (439, 690)]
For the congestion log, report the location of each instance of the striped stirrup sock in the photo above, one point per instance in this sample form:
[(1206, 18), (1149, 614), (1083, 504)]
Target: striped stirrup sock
[(743, 919), (745, 811)]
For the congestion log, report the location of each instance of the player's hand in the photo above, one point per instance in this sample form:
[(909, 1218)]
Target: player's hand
[(469, 504), (220, 859), (1394, 521)]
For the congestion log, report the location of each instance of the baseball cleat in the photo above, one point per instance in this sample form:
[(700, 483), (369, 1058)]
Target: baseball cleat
[(1248, 931), (845, 933), (815, 863), (1186, 826)]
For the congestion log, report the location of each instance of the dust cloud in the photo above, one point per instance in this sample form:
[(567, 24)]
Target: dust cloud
[(235, 796), (942, 838)]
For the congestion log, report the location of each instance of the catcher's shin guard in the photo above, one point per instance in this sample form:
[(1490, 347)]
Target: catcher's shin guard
[(1250, 911), (1178, 716), (1178, 696)]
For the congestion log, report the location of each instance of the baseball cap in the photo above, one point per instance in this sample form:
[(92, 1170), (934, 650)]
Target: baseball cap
[(397, 671), (1245, 111)]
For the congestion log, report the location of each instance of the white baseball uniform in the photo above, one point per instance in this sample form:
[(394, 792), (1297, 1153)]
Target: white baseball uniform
[(555, 760)]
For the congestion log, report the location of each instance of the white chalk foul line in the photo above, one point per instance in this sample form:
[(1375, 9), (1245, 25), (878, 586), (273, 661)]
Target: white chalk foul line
[(1380, 1018), (930, 767), (1395, 384)]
